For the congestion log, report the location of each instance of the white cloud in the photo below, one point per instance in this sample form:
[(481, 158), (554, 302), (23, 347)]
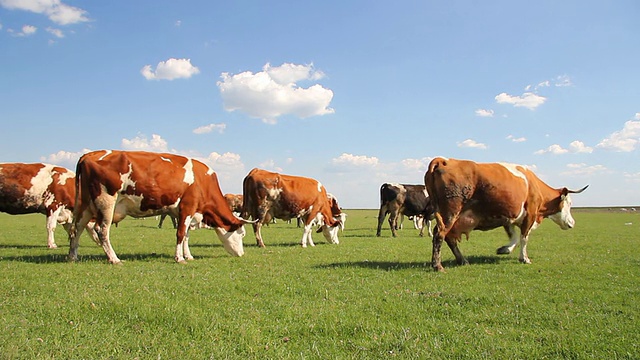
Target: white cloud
[(55, 32), (625, 140), (470, 143), (140, 142), (580, 147), (583, 170), (170, 70), (416, 164), (27, 30), (178, 23), (484, 113), (209, 128), (55, 10), (516, 139), (274, 92), (632, 177), (355, 160), (64, 158), (528, 100), (562, 81), (226, 161), (553, 149)]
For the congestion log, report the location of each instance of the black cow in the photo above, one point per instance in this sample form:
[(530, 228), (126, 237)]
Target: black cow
[(403, 199)]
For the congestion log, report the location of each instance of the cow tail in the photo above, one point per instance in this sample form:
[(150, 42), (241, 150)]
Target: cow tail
[(382, 189)]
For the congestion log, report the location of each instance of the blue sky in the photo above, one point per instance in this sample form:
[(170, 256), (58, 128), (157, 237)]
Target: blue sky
[(352, 93)]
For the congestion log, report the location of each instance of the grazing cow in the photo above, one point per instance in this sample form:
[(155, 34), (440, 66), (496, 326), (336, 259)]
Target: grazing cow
[(483, 196), (398, 200), (234, 201), (39, 188), (270, 195), (113, 184)]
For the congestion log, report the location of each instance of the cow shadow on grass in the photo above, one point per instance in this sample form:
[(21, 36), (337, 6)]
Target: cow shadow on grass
[(62, 258), (391, 265), (8, 246)]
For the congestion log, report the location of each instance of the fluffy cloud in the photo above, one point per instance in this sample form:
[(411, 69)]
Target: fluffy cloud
[(625, 140), (170, 70), (227, 161), (140, 142), (355, 160), (470, 143), (484, 113), (580, 147), (27, 30), (55, 10), (553, 149), (209, 128), (528, 100), (55, 32), (516, 139), (583, 170), (274, 92), (64, 158)]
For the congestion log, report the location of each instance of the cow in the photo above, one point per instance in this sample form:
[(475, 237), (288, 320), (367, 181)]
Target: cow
[(270, 195), (234, 201), (398, 200), (39, 188), (112, 184), (483, 196)]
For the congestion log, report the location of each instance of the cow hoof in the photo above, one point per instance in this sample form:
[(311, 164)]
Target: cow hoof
[(181, 261), (117, 263), (189, 258), (525, 261), (304, 245), (54, 246), (503, 250), (439, 268)]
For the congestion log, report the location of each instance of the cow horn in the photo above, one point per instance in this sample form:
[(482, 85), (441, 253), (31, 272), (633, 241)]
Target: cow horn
[(246, 221), (577, 191)]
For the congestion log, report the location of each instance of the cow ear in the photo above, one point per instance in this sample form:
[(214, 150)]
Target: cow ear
[(563, 193)]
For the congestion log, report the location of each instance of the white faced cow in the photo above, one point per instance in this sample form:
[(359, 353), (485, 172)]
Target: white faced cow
[(398, 200), (270, 195), (39, 188), (483, 196), (113, 184)]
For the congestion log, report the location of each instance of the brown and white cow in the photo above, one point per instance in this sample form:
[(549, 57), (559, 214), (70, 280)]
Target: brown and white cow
[(483, 196), (39, 188), (234, 201), (399, 200), (113, 184), (270, 195)]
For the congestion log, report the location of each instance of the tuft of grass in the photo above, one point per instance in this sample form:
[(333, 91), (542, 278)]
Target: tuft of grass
[(368, 297)]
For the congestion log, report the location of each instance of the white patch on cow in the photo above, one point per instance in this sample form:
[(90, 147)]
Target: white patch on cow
[(319, 187), (39, 184), (209, 170), (232, 240), (107, 152), (165, 159), (189, 177), (513, 169), (274, 193), (424, 191), (127, 180), (64, 176), (563, 218)]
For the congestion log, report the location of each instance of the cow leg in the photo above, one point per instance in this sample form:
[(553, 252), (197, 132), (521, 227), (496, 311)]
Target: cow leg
[(393, 222), (427, 223), (52, 222), (185, 246), (436, 261), (453, 245), (103, 229), (524, 257), (257, 230), (182, 237), (514, 237), (75, 231), (306, 235), (381, 215)]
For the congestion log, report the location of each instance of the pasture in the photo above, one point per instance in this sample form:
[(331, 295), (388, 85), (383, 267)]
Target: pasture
[(366, 298)]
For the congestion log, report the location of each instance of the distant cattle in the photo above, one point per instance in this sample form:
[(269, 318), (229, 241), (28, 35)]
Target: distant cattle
[(483, 196), (39, 188), (270, 195), (113, 184), (399, 200), (174, 221)]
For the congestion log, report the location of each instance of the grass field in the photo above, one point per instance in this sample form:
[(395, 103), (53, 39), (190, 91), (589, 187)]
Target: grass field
[(366, 298)]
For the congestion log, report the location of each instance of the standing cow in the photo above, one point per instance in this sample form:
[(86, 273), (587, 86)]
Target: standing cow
[(483, 196), (270, 195), (113, 184), (234, 201), (398, 200), (39, 188)]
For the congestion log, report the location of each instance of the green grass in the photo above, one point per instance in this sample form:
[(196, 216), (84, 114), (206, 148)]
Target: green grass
[(366, 298)]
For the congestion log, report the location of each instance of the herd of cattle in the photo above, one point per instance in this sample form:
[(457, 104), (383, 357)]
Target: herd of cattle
[(107, 186)]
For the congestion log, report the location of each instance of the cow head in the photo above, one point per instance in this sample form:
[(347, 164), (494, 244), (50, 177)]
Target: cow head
[(232, 240), (563, 216), (331, 233)]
